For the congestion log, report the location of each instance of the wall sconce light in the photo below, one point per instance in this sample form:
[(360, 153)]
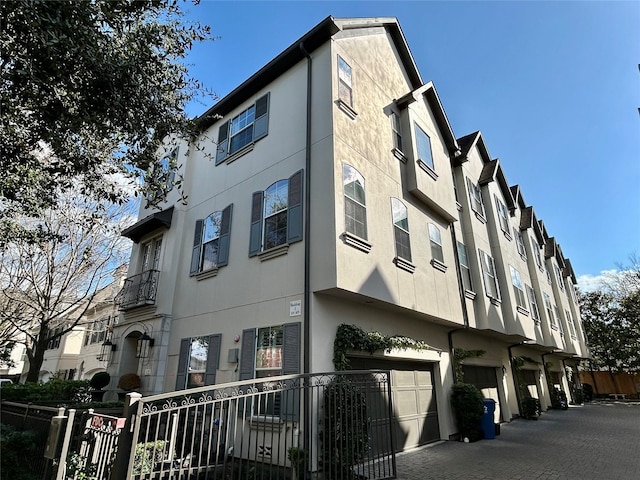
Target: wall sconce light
[(106, 351), (145, 342)]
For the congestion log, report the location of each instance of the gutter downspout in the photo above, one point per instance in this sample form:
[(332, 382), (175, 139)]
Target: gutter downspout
[(465, 313), (307, 256)]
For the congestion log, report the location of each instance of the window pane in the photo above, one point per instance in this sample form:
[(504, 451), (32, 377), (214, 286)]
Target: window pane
[(275, 230), (276, 197), (243, 120), (399, 212), (210, 254), (198, 354), (344, 71), (353, 184), (423, 143), (355, 218), (245, 137), (403, 246)]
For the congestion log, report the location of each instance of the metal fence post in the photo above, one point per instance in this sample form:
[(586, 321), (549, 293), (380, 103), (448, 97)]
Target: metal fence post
[(62, 464), (125, 440)]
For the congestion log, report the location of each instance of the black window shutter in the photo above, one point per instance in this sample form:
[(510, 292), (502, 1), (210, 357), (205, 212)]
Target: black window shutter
[(261, 122), (183, 363), (213, 359), (291, 365), (225, 236), (248, 354), (223, 144), (255, 234), (197, 242), (295, 213)]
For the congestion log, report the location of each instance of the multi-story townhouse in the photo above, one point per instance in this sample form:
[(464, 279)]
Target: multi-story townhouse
[(328, 189)]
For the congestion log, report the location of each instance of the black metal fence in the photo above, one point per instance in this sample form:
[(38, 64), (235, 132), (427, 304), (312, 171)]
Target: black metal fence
[(319, 426)]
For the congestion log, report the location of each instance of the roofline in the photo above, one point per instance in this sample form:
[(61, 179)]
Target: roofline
[(312, 40)]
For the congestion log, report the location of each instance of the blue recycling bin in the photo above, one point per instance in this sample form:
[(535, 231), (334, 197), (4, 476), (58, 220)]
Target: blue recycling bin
[(488, 427)]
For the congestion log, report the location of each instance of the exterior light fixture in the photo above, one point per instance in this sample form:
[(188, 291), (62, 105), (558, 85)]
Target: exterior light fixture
[(106, 351), (145, 342)]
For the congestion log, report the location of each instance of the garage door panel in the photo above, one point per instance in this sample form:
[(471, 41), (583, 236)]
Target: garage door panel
[(486, 380), (405, 403)]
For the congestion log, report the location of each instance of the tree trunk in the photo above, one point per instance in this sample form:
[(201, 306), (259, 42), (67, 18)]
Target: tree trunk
[(35, 363)]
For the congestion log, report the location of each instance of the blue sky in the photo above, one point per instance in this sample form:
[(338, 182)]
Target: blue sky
[(553, 86)]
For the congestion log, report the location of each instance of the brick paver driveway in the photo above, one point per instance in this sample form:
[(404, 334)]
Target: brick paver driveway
[(600, 440)]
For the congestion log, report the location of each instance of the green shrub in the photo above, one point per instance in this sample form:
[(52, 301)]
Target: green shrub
[(54, 391), (148, 455), (468, 408), (530, 408), (16, 449), (100, 380)]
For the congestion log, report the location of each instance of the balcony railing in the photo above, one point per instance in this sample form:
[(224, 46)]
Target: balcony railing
[(139, 290)]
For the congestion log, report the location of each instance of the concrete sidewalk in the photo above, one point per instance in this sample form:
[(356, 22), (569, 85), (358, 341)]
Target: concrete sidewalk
[(600, 440)]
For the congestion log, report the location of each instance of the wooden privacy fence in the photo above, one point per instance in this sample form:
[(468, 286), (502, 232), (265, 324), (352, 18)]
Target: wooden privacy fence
[(604, 383)]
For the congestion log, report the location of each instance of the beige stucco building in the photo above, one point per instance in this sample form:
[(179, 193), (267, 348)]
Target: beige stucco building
[(329, 188)]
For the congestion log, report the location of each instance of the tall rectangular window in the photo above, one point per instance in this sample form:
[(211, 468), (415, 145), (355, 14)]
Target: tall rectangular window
[(503, 215), (572, 327), (559, 276), (436, 243), (401, 229), (549, 310), (198, 353), (151, 254), (533, 304), (345, 92), (475, 198), (518, 287), (535, 248), (519, 242), (556, 310), (489, 276), (465, 270), (397, 133), (355, 204), (423, 145)]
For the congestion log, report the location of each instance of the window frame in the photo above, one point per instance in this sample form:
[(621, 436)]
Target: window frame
[(533, 303), (150, 252), (346, 82), (435, 242), (503, 217), (475, 198), (356, 203), (536, 251), (259, 127), (400, 232), (520, 243), (518, 288), (396, 132), (294, 218), (489, 276), (549, 309), (426, 160), (559, 278), (465, 268), (223, 238)]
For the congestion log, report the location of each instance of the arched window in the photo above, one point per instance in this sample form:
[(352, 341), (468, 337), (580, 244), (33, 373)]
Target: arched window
[(211, 241), (355, 205)]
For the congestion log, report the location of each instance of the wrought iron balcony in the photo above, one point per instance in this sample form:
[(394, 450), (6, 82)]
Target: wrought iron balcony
[(138, 290)]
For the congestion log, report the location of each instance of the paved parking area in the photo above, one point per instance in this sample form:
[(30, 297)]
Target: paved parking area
[(600, 440)]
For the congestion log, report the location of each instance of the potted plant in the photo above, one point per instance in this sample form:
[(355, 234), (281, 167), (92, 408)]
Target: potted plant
[(128, 382), (97, 383)]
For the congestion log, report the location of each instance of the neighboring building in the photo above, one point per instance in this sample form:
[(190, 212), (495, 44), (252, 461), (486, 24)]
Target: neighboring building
[(331, 190), (79, 354)]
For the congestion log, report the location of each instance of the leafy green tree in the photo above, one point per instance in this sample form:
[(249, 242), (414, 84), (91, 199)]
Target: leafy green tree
[(611, 320), (90, 90)]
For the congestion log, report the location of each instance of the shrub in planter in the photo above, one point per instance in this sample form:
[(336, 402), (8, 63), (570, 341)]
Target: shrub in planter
[(530, 408), (16, 450), (468, 408), (100, 380), (129, 382)]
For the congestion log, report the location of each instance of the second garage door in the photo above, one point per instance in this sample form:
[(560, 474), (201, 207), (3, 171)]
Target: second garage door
[(486, 380), (414, 400)]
